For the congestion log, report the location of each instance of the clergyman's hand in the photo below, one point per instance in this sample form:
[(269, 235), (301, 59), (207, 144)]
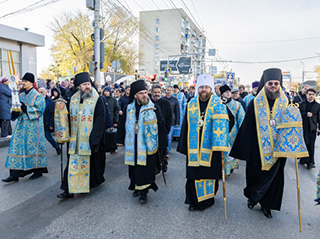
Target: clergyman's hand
[(119, 145)]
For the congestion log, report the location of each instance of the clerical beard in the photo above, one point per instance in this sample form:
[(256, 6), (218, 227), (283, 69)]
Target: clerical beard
[(85, 95), (204, 97), (143, 101), (272, 95)]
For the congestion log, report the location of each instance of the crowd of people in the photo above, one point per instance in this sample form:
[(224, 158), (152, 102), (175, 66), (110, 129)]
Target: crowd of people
[(216, 126)]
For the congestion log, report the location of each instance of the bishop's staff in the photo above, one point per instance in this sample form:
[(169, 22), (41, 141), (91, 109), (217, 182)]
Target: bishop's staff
[(224, 186), (290, 142)]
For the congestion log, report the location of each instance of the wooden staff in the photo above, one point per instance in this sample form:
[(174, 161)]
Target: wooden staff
[(298, 193), (224, 186), (61, 163)]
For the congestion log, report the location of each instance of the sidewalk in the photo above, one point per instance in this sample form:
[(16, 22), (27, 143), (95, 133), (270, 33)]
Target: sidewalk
[(4, 142)]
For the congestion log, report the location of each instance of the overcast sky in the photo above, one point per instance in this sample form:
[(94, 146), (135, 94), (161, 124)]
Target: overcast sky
[(241, 30)]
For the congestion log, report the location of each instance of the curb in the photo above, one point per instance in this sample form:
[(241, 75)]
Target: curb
[(4, 143)]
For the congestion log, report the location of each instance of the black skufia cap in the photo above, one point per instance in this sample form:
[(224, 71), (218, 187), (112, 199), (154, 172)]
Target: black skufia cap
[(224, 88), (81, 78), (135, 87), (28, 77)]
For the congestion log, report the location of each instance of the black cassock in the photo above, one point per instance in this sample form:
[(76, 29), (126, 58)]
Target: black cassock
[(140, 175), (197, 173), (265, 187), (98, 155)]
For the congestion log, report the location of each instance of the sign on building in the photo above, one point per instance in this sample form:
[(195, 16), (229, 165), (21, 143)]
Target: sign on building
[(181, 66)]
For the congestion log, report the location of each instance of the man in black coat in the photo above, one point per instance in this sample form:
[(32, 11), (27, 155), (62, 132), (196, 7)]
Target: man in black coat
[(165, 108), (124, 100), (310, 111)]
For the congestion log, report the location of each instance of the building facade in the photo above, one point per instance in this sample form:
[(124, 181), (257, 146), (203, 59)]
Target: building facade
[(166, 33), (18, 51)]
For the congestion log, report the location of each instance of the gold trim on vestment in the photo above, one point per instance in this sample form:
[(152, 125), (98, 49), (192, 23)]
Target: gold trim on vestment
[(142, 187), (289, 125)]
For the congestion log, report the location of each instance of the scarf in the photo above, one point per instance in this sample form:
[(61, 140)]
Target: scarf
[(267, 134), (215, 132), (147, 134), (81, 119)]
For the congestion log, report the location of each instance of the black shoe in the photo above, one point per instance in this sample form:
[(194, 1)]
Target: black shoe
[(310, 166), (10, 179), (65, 195), (192, 209), (143, 198), (136, 193), (58, 150), (266, 212), (35, 176), (251, 204)]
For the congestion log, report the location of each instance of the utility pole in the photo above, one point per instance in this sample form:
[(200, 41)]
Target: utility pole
[(302, 72), (97, 39)]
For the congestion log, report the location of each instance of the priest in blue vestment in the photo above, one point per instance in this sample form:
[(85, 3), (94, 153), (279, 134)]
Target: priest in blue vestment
[(204, 136), (27, 151)]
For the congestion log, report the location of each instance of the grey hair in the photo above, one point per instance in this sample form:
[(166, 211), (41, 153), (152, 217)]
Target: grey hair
[(155, 86), (169, 86)]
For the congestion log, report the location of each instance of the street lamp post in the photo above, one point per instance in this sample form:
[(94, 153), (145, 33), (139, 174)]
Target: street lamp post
[(302, 72)]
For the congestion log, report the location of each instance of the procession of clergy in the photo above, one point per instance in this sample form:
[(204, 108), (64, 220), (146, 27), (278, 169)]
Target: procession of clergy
[(215, 133)]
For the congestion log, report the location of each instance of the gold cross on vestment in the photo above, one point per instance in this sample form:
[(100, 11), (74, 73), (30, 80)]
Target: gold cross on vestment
[(218, 132), (90, 101), (131, 111), (193, 109)]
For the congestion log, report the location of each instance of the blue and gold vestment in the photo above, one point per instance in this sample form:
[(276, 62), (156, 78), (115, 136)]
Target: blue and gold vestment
[(27, 148)]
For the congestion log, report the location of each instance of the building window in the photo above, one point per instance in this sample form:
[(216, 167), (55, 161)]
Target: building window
[(157, 54), (158, 21), (157, 38), (157, 46), (156, 63), (157, 29), (6, 69)]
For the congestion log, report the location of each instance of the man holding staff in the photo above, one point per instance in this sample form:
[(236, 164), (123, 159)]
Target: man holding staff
[(204, 135)]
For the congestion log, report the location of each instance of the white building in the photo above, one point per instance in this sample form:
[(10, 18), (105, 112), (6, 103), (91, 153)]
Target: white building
[(18, 51), (169, 32)]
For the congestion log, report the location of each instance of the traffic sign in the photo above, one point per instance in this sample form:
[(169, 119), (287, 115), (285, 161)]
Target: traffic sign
[(168, 70), (181, 66), (116, 65)]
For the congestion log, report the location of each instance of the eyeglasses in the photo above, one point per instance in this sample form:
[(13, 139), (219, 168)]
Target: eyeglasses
[(273, 83)]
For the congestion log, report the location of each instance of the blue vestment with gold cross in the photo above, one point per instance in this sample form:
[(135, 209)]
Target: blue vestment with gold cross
[(206, 134), (238, 113), (318, 188), (27, 148)]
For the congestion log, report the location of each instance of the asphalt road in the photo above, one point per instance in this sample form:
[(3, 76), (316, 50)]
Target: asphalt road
[(30, 209)]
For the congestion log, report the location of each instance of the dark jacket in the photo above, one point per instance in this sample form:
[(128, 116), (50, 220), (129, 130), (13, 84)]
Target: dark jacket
[(113, 106), (5, 102), (123, 102), (48, 116), (107, 112), (243, 94), (310, 123), (165, 109), (175, 109), (299, 98)]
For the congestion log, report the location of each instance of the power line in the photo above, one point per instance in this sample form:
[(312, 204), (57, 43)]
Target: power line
[(273, 41), (32, 7), (267, 62)]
